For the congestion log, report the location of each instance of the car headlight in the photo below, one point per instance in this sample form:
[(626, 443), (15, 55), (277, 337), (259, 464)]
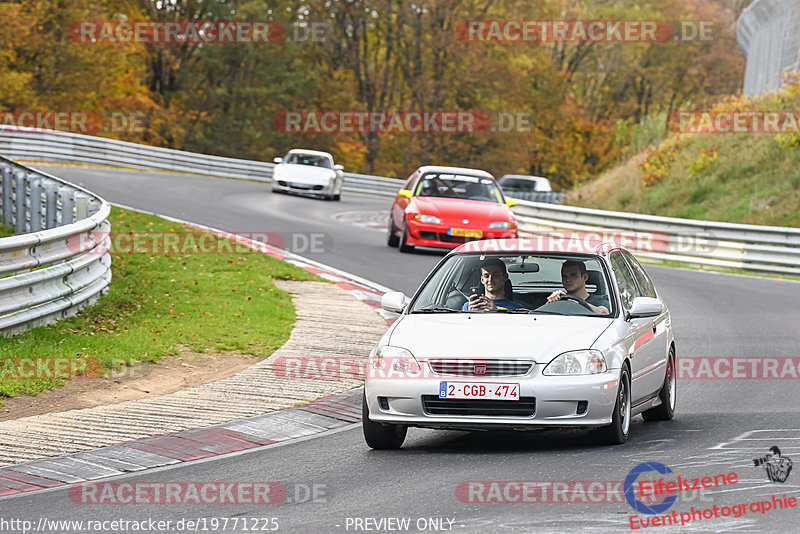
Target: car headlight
[(393, 362), (426, 219), (503, 225), (577, 362)]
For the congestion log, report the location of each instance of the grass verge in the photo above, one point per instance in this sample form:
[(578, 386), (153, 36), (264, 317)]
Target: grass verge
[(155, 302), (751, 178)]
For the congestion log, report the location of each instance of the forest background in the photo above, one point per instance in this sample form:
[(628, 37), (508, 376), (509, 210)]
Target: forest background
[(591, 104)]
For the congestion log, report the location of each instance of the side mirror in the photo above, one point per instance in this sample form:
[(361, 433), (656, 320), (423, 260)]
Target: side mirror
[(393, 301), (405, 193), (645, 307), (510, 202), (338, 167), (277, 160)]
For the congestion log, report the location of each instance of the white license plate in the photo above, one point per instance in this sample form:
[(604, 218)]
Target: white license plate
[(478, 390)]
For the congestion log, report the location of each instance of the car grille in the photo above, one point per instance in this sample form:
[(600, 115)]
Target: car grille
[(447, 238), (480, 367), (304, 187), (524, 407)]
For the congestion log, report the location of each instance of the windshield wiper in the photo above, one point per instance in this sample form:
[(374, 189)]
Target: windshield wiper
[(517, 310), (545, 312), (435, 309)]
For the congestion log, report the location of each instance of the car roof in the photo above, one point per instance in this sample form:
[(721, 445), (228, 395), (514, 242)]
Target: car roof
[(455, 170), (524, 177), (556, 244), (309, 152)]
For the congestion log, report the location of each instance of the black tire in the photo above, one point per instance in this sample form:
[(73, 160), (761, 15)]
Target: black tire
[(403, 245), (381, 436), (391, 239), (337, 197), (617, 432), (668, 394)]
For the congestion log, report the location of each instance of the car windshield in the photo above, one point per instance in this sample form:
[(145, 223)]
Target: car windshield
[(309, 159), (518, 185), (459, 186), (532, 277)]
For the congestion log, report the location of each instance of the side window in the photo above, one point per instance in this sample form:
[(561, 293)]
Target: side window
[(645, 284), (410, 181), (627, 286)]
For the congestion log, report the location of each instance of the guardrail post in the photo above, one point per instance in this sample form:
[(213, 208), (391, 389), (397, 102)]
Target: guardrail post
[(8, 192), (67, 205), (51, 204), (36, 202), (20, 191), (81, 206)]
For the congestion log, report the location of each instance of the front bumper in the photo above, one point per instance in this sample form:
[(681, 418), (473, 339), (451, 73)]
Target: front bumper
[(435, 235), (286, 186), (560, 401)]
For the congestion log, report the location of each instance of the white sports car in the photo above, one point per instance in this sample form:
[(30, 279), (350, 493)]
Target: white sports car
[(523, 334), (308, 172)]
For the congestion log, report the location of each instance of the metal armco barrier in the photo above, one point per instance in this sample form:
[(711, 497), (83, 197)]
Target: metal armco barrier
[(764, 249), (761, 249), (59, 261), (548, 197), (43, 145)]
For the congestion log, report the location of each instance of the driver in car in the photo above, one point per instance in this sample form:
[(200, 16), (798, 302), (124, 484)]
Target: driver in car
[(574, 276), (493, 278)]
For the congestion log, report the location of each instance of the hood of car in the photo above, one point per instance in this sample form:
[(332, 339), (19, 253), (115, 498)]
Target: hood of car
[(495, 335), (453, 211), (304, 174)]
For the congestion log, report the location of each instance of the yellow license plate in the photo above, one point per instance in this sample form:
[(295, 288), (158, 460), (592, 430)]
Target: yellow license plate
[(464, 232)]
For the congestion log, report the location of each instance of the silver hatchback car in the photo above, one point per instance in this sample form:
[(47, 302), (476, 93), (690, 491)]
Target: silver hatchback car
[(523, 334)]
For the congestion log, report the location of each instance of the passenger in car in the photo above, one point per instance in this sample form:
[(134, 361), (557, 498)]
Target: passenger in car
[(493, 277), (574, 276)]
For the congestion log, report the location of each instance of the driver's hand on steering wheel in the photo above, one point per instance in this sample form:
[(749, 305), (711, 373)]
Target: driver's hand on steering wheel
[(556, 295)]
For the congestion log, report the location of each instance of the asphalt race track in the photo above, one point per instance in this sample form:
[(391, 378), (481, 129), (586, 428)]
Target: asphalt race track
[(721, 425)]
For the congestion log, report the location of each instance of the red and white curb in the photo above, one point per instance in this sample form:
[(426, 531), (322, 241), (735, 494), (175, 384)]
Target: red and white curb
[(322, 415)]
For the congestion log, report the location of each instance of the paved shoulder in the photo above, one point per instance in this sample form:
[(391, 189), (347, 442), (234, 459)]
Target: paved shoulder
[(330, 324)]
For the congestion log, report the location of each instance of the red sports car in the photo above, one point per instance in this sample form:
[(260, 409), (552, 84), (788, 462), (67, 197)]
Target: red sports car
[(447, 206)]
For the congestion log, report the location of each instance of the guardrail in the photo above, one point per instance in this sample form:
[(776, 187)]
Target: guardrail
[(547, 197), (56, 265), (36, 144), (763, 249)]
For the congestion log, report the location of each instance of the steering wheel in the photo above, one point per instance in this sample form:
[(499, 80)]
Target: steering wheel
[(567, 296)]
